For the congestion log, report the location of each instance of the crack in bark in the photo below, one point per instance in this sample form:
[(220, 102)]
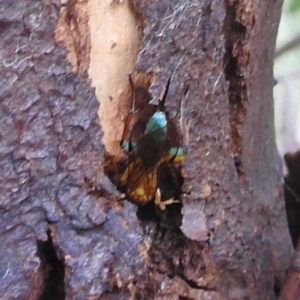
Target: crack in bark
[(196, 286), (234, 34), (185, 298), (53, 269)]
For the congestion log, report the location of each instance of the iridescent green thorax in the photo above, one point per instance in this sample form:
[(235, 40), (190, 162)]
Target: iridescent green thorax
[(155, 135), (157, 121)]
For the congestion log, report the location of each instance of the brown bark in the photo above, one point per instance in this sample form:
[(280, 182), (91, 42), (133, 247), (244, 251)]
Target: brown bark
[(63, 232)]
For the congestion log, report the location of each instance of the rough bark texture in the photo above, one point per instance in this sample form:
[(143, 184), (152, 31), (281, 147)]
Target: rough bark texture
[(63, 233)]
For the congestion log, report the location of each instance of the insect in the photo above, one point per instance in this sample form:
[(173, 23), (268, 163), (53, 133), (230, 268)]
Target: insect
[(152, 149)]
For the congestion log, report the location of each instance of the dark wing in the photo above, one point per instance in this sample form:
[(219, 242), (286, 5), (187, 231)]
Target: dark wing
[(140, 182)]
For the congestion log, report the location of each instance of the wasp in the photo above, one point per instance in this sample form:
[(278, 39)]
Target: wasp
[(152, 152)]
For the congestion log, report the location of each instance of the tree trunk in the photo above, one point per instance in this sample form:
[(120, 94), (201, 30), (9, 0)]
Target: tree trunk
[(65, 233)]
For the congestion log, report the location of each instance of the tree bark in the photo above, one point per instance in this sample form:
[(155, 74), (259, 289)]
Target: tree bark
[(65, 234)]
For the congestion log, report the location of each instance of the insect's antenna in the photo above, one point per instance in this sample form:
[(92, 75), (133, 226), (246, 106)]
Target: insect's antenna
[(292, 192), (186, 91), (219, 77), (131, 112), (185, 125), (162, 101), (132, 93), (181, 59), (186, 50)]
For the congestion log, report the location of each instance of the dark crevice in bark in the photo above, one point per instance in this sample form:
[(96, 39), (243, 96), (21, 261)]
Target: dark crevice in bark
[(54, 270), (234, 34), (196, 286), (112, 293), (184, 298), (292, 194), (169, 218), (277, 286), (180, 272)]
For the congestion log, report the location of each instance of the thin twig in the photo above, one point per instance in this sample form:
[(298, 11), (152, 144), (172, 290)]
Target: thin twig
[(295, 42)]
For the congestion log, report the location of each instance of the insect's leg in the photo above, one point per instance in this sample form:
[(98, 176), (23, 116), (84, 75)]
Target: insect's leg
[(162, 204), (168, 202), (124, 177), (157, 198), (126, 145)]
